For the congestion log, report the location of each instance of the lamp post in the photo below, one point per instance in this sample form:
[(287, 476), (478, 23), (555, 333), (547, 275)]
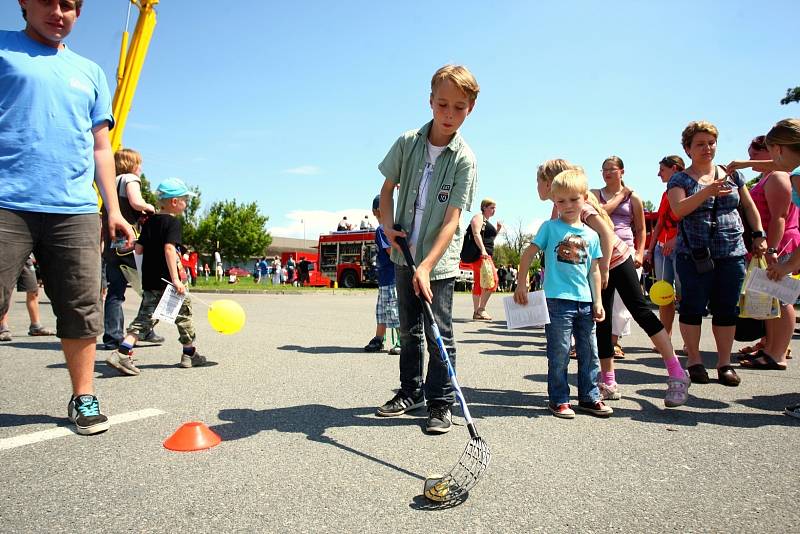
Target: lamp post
[(304, 232)]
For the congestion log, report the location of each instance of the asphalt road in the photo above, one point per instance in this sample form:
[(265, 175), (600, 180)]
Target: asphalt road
[(293, 397)]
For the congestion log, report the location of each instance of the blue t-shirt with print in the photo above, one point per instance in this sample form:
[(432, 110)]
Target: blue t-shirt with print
[(50, 100), (569, 252), (385, 265)]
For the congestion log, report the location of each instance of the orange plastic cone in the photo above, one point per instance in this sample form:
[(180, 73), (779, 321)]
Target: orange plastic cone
[(192, 436)]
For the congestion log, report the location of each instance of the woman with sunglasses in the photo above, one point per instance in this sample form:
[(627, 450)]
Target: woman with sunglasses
[(710, 248), (627, 213), (772, 197)]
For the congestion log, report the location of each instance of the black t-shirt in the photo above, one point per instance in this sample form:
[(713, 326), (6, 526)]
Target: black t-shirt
[(159, 230), (488, 235)]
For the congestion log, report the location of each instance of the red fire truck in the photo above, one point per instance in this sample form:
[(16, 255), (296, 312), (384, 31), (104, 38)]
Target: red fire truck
[(349, 257), (315, 277)]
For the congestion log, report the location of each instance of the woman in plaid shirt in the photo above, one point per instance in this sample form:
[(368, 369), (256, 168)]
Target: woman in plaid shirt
[(706, 200)]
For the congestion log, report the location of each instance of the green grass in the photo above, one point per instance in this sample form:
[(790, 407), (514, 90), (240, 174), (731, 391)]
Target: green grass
[(248, 284)]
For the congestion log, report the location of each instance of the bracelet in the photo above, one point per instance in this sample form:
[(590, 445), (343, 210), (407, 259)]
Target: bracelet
[(758, 234)]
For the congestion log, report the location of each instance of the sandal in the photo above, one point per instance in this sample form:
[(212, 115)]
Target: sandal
[(762, 360), (698, 373), (573, 353), (752, 348), (481, 315)]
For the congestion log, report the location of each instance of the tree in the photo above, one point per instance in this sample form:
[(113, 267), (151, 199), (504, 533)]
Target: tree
[(649, 206), (792, 95), (516, 240), (147, 192), (238, 231)]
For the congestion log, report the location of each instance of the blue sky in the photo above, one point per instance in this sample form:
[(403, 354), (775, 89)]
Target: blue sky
[(294, 104)]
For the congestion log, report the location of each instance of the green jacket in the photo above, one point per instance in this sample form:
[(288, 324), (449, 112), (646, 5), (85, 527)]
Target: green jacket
[(454, 180)]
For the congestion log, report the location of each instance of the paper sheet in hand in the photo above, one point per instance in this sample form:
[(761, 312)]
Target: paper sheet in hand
[(534, 314), (169, 305), (785, 290)]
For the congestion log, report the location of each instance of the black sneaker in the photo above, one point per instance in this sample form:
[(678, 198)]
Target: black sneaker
[(84, 411), (439, 419), (400, 404), (375, 345), (152, 338)]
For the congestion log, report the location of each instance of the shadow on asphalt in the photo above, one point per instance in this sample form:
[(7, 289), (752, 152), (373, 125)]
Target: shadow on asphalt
[(105, 371), (323, 349), (13, 419), (421, 503), (313, 420), (34, 345)]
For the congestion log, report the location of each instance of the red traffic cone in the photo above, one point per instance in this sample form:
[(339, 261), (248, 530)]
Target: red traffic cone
[(192, 436)]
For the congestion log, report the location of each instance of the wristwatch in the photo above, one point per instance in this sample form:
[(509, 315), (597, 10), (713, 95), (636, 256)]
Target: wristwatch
[(758, 233), (772, 250)]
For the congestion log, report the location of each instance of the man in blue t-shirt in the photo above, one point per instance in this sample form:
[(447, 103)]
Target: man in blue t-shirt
[(386, 311), (54, 144)]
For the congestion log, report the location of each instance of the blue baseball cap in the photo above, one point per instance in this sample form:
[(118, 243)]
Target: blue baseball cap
[(173, 188)]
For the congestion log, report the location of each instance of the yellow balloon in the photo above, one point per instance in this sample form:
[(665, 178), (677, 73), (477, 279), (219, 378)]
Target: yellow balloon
[(661, 293), (226, 316)]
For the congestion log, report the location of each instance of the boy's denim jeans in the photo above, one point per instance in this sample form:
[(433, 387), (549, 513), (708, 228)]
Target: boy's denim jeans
[(570, 318), (113, 317), (413, 339)]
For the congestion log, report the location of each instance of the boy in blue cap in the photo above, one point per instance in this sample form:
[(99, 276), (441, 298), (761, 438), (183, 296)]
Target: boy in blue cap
[(158, 242), (386, 314)]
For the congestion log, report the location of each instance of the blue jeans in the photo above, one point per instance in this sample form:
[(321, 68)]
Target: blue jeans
[(415, 333), (570, 318), (113, 317)]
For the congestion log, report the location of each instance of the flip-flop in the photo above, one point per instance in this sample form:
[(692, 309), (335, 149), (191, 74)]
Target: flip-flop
[(767, 363)]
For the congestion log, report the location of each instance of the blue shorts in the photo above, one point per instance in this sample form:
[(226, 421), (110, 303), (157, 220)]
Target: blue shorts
[(716, 291)]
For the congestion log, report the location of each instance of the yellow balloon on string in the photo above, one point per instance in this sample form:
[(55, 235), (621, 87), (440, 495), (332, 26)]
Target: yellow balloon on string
[(662, 293), (226, 316)]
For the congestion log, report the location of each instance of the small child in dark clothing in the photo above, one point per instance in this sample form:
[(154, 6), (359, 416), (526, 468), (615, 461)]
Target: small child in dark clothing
[(161, 235)]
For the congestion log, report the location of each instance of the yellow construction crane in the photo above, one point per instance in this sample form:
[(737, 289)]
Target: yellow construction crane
[(131, 60)]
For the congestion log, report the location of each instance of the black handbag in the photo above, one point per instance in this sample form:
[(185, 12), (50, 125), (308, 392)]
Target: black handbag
[(470, 252), (701, 256)]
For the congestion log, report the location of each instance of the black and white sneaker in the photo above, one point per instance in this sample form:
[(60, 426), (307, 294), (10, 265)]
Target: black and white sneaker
[(439, 419), (375, 345), (84, 411), (400, 404)]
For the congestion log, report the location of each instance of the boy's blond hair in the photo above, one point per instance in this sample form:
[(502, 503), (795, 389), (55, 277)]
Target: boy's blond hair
[(550, 169), (461, 78), (570, 181), (694, 128), (486, 202), (126, 160)]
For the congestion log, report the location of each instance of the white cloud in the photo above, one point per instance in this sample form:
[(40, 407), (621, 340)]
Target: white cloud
[(303, 170), (316, 222)]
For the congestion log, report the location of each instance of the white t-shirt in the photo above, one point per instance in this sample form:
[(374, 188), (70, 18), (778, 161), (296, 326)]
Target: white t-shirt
[(431, 155)]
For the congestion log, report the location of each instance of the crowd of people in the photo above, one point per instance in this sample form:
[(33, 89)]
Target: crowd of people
[(592, 246)]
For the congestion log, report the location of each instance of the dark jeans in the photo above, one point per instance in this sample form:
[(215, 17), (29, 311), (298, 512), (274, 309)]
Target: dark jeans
[(415, 334), (624, 279), (718, 290)]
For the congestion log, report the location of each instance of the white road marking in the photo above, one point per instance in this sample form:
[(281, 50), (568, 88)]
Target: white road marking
[(61, 431)]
